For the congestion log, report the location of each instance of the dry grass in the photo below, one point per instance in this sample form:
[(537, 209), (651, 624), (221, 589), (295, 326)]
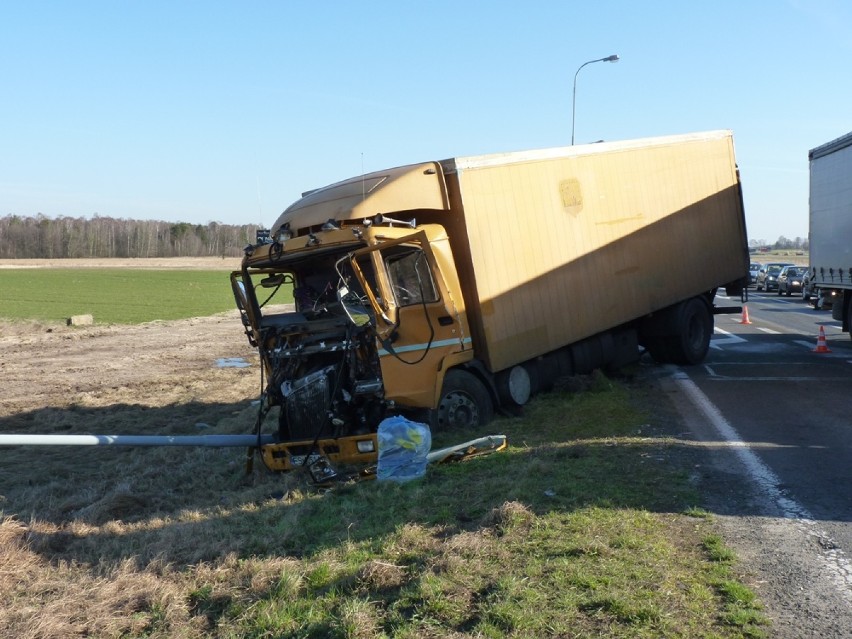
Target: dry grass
[(52, 598), (575, 530)]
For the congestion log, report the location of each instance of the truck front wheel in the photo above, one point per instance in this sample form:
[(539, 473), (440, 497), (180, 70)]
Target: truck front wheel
[(464, 402)]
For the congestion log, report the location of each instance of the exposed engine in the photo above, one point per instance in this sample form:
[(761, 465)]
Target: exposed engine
[(324, 375), (321, 362)]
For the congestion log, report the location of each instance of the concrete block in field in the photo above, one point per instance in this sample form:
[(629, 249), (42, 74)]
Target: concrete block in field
[(80, 320)]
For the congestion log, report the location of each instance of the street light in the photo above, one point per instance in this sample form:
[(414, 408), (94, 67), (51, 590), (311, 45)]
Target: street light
[(609, 58)]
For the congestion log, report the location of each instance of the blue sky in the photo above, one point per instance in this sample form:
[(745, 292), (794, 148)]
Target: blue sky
[(226, 111)]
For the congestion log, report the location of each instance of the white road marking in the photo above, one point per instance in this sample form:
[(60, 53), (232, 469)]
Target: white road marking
[(770, 378), (809, 345), (729, 338), (833, 559), (768, 330), (718, 377), (804, 362)]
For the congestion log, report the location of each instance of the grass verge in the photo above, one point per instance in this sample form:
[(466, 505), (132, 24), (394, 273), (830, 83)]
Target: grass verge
[(587, 526)]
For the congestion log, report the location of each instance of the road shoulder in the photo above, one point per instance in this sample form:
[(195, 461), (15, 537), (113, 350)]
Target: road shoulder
[(782, 556)]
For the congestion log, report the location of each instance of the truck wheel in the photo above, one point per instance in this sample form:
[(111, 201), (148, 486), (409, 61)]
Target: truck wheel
[(694, 329), (658, 349), (464, 403)]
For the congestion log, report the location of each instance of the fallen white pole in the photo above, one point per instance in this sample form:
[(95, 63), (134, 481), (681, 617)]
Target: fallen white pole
[(211, 441)]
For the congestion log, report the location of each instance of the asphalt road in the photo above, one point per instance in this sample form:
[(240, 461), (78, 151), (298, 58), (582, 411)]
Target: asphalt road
[(774, 411)]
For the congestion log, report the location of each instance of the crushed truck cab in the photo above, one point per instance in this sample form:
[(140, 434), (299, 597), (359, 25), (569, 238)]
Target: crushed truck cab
[(371, 323)]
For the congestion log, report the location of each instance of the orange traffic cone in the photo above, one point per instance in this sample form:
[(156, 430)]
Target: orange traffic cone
[(821, 346), (745, 319)]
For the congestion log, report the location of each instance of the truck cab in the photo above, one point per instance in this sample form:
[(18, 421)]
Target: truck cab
[(353, 322)]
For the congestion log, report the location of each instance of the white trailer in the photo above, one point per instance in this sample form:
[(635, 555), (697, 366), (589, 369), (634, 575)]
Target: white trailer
[(830, 213)]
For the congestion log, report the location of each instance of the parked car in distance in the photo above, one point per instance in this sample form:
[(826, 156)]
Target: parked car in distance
[(789, 280), (767, 278), (753, 270)]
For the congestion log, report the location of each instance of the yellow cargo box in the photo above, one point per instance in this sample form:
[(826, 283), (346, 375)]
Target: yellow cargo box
[(555, 245)]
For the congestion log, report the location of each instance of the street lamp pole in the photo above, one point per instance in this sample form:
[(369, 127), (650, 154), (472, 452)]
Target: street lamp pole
[(609, 58)]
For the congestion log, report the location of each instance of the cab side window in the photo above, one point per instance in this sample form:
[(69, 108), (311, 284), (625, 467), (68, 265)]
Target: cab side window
[(411, 278)]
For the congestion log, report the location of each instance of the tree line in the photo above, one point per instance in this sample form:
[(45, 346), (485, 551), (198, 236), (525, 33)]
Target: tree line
[(783, 243), (99, 237)]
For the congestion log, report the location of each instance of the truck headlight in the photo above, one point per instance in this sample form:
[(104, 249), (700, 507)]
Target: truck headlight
[(365, 446)]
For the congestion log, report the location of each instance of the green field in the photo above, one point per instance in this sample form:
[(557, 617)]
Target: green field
[(113, 296)]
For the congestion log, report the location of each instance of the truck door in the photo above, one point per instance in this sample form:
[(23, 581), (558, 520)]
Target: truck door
[(418, 324)]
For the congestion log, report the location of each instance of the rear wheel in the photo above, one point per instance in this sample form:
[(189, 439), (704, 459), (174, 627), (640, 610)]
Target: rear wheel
[(464, 403), (694, 329), (658, 349), (681, 333)]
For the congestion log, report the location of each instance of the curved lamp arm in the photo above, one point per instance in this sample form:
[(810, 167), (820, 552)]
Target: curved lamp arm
[(609, 58)]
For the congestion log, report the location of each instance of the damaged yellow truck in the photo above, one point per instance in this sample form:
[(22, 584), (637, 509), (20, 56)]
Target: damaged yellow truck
[(451, 290)]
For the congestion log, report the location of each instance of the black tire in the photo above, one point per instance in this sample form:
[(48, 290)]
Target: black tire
[(658, 350), (779, 290), (465, 403), (694, 329)]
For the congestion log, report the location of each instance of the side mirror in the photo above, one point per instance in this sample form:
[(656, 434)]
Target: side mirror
[(355, 310), (240, 294)]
